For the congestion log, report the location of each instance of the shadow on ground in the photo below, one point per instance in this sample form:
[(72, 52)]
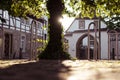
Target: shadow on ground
[(41, 70)]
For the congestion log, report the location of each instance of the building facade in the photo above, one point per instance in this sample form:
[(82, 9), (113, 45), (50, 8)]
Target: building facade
[(90, 39), (19, 37)]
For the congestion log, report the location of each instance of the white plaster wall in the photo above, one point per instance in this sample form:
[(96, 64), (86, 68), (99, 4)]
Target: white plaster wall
[(87, 22), (75, 39), (17, 23), (70, 49), (74, 26), (104, 45), (103, 25), (0, 11)]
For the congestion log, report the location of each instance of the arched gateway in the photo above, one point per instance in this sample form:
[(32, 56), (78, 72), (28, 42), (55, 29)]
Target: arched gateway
[(87, 46), (82, 47)]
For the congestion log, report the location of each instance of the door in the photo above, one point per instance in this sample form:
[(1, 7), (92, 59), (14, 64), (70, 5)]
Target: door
[(8, 46)]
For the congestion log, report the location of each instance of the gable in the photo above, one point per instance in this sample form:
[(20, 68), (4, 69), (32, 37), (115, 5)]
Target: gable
[(73, 26), (82, 24)]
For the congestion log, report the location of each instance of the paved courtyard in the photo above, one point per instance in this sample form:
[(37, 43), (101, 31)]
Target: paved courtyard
[(59, 70)]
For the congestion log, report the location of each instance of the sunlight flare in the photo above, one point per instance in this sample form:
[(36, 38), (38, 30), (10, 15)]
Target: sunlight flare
[(66, 21)]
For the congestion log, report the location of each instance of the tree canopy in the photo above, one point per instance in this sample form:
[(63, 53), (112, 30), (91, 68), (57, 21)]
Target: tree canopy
[(21, 8), (108, 10), (91, 8), (112, 22), (86, 8)]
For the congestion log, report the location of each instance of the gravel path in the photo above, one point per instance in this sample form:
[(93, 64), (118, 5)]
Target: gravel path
[(59, 70)]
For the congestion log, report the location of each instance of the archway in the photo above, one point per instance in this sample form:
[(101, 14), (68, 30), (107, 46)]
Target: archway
[(82, 47)]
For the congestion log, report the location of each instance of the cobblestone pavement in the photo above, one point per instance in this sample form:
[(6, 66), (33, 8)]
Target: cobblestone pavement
[(59, 70)]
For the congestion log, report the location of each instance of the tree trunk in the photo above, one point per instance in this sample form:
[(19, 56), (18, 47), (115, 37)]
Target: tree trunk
[(54, 49)]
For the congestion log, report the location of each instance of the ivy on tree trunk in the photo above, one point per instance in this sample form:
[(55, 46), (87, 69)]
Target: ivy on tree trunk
[(54, 49)]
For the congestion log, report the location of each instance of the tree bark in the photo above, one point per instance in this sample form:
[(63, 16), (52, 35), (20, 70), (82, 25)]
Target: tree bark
[(54, 49)]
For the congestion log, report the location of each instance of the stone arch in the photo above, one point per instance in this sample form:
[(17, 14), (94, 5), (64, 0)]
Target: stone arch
[(83, 54)]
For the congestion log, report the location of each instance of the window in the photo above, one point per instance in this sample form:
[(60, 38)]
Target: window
[(0, 12), (81, 24), (5, 15), (91, 41), (23, 43)]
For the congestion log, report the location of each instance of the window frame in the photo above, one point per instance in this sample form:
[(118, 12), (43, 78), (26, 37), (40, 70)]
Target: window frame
[(81, 24)]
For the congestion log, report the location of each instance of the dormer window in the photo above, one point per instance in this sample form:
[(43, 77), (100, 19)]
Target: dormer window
[(81, 24)]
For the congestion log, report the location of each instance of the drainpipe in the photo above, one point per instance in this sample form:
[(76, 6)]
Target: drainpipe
[(31, 36), (108, 46), (2, 39), (99, 38), (117, 46), (35, 43), (43, 36)]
